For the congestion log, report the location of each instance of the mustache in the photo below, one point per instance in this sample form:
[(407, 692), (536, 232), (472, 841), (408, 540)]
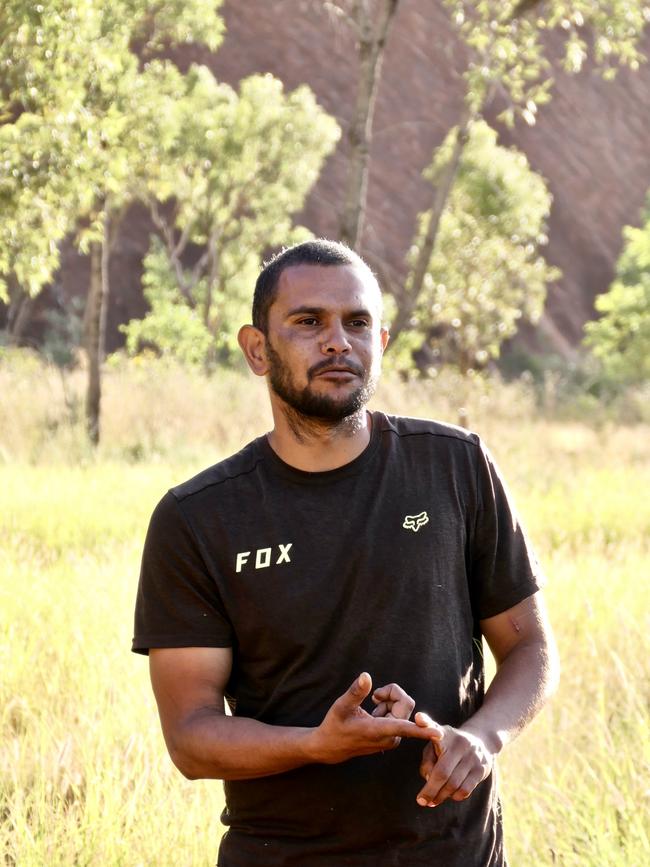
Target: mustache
[(329, 363)]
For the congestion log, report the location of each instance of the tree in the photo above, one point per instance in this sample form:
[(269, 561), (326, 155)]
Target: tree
[(486, 270), (506, 46), (620, 338), (170, 326), (67, 68), (41, 191), (233, 170), (74, 100), (370, 21), (130, 134)]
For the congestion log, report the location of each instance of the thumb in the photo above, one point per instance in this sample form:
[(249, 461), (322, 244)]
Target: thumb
[(425, 721), (358, 691)]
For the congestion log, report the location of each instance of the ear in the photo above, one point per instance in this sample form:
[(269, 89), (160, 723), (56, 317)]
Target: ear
[(384, 337), (252, 342)]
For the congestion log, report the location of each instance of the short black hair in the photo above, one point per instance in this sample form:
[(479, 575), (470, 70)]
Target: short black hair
[(320, 251)]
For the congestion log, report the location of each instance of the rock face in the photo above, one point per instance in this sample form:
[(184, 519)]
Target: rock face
[(591, 143)]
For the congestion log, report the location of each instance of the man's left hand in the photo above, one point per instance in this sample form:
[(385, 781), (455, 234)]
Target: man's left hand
[(392, 701), (453, 763)]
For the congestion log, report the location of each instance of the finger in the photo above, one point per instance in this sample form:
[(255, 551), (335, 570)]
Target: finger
[(443, 780), (381, 746), (423, 720), (468, 785), (401, 728), (453, 783), (400, 702), (357, 692), (381, 709), (392, 692), (449, 783), (391, 744), (428, 761)]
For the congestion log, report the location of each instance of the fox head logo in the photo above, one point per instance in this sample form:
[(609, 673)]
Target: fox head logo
[(414, 522)]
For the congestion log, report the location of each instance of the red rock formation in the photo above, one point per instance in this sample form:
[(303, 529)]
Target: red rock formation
[(590, 143)]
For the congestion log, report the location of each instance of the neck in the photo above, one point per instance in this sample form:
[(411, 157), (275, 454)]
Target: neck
[(317, 445)]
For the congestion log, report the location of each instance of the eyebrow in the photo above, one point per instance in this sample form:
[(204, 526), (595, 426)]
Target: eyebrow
[(317, 311)]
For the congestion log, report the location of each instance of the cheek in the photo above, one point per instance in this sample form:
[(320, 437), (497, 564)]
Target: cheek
[(375, 350), (298, 359), (292, 359)]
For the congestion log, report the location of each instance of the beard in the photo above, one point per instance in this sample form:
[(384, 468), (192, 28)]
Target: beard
[(319, 407)]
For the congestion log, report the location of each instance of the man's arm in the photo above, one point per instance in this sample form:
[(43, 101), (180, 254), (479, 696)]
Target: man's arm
[(522, 643), (204, 742)]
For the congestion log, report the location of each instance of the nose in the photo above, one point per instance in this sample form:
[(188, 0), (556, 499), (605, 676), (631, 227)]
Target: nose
[(335, 341)]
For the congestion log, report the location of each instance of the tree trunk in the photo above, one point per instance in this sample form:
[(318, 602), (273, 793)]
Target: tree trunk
[(20, 311), (92, 342), (415, 280), (95, 318), (372, 42), (110, 228), (211, 273)]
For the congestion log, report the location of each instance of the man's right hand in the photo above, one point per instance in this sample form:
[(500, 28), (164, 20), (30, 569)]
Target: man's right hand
[(205, 743), (348, 730)]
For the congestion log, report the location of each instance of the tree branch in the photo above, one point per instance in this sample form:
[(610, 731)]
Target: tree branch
[(167, 233), (371, 45)]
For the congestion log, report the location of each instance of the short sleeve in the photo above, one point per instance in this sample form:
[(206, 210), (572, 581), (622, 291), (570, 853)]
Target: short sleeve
[(504, 568), (178, 602)]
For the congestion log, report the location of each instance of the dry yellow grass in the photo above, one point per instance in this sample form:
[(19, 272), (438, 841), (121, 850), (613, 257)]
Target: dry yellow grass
[(85, 779)]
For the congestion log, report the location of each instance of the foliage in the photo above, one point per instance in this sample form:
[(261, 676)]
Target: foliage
[(232, 170), (40, 192), (620, 339), (486, 270), (236, 158), (80, 115), (64, 51), (171, 327), (507, 63), (508, 45)]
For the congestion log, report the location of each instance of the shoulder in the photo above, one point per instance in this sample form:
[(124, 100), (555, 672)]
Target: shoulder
[(220, 475), (438, 433)]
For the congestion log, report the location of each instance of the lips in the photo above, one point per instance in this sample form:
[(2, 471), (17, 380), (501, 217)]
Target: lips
[(337, 370), (337, 374)]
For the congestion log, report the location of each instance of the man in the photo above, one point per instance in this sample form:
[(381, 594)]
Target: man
[(341, 548)]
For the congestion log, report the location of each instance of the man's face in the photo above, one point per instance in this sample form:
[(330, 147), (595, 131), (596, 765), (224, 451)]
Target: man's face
[(325, 340)]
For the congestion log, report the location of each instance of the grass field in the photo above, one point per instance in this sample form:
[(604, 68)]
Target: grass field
[(84, 775)]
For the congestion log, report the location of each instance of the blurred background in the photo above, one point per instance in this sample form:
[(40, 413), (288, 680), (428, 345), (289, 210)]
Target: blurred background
[(491, 161)]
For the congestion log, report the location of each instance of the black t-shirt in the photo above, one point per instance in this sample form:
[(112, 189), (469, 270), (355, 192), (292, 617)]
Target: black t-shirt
[(386, 564)]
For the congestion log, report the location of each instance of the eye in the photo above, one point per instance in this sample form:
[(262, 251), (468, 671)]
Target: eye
[(359, 323), (308, 320)]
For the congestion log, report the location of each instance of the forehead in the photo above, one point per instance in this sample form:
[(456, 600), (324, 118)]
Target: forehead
[(332, 287)]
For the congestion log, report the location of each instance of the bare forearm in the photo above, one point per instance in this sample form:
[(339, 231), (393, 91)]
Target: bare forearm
[(208, 744), (524, 680), (212, 745), (458, 759)]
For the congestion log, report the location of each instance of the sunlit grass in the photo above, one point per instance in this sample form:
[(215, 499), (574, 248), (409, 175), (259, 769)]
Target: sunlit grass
[(84, 775), (577, 784)]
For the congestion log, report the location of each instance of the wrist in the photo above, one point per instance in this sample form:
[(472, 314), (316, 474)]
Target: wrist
[(493, 738), (311, 745)]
